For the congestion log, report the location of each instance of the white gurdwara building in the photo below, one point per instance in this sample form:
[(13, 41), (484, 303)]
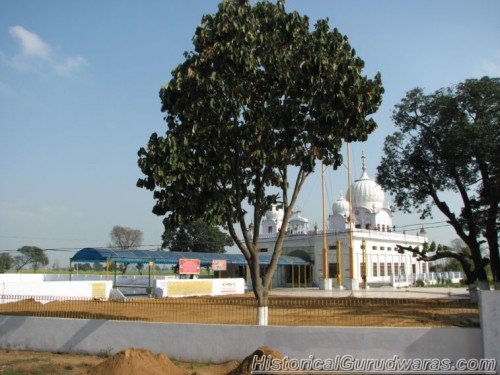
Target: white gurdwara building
[(372, 227)]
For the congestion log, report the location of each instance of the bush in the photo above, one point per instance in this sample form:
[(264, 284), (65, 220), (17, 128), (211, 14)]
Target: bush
[(420, 283)]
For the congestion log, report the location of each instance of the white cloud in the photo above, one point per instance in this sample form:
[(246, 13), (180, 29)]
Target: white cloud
[(31, 44), (70, 64), (36, 53)]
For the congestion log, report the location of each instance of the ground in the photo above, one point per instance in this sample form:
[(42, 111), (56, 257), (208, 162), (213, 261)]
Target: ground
[(24, 362), (40, 363)]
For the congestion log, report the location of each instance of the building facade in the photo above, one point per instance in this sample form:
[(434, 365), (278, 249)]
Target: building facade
[(372, 228)]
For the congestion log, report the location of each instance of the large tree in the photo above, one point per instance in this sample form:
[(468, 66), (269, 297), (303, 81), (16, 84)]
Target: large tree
[(449, 141), (260, 99), (196, 236), (123, 238), (6, 262), (30, 255)]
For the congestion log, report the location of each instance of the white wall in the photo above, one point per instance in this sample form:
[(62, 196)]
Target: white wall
[(219, 343), (490, 318), (82, 289)]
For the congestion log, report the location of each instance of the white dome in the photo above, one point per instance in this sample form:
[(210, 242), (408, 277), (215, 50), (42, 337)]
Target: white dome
[(297, 218), (275, 213), (366, 193), (341, 207)]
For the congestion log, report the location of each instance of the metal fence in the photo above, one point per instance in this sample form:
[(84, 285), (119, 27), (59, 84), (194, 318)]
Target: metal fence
[(284, 311)]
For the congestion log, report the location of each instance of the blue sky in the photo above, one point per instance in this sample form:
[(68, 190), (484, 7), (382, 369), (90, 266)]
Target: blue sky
[(79, 86)]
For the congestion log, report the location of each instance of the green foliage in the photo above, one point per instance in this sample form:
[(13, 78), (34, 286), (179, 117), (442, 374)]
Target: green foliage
[(196, 236), (84, 267), (140, 267), (419, 283), (259, 93), (30, 255), (6, 262), (449, 141), (98, 267)]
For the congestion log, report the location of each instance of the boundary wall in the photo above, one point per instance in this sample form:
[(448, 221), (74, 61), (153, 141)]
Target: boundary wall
[(489, 313), (45, 285), (56, 289), (220, 343)]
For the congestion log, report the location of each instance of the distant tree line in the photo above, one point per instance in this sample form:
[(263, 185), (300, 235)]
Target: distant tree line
[(26, 256)]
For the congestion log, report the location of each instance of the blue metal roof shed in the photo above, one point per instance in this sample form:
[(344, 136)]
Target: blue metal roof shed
[(92, 255)]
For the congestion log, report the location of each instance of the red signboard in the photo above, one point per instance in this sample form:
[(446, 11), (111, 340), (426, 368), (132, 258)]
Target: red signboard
[(189, 266), (219, 265)]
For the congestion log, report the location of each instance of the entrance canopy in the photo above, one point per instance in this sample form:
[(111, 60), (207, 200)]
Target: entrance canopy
[(91, 255)]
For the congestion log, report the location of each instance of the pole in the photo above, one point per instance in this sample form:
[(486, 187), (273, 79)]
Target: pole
[(305, 276), (114, 277), (293, 277), (325, 250), (364, 275), (351, 250), (339, 263), (149, 274), (299, 276)]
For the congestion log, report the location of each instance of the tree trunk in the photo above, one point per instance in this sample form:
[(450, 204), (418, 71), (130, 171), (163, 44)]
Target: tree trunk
[(473, 294), (263, 309), (482, 280), (492, 237), (477, 260)]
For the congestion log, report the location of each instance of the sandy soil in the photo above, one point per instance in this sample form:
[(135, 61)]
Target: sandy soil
[(306, 311), (25, 362)]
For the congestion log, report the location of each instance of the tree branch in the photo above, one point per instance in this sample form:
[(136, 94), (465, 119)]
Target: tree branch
[(299, 182)]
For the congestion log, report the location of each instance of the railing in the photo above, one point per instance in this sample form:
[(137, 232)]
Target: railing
[(231, 310), (366, 233)]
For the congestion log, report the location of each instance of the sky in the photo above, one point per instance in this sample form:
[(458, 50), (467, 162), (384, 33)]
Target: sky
[(79, 86)]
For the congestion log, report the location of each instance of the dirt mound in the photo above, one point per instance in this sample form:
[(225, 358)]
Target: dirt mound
[(136, 361), (245, 367)]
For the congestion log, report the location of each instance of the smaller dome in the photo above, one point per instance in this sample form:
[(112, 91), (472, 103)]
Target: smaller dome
[(297, 218), (341, 207), (275, 213)]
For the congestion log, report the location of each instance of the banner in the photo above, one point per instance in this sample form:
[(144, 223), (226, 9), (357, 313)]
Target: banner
[(189, 266), (219, 265)]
